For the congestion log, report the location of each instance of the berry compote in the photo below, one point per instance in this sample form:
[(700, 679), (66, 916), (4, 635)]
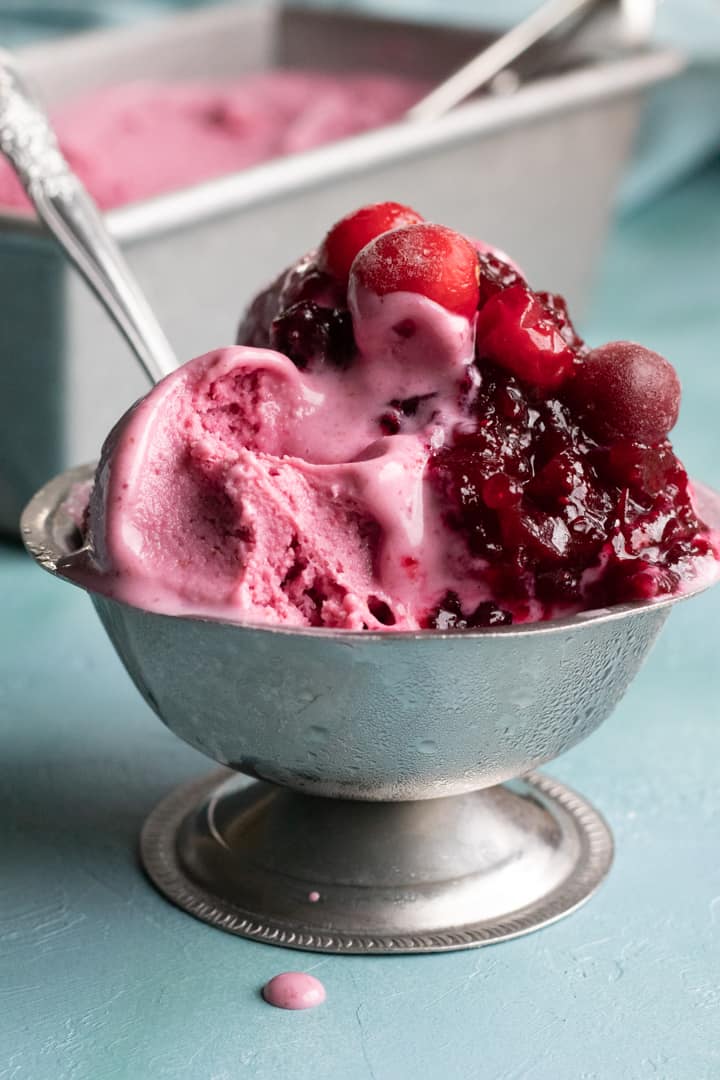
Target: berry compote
[(557, 477)]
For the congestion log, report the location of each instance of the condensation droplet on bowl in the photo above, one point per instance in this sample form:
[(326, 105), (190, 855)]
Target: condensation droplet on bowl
[(523, 697), (427, 746), (317, 735), (505, 723)]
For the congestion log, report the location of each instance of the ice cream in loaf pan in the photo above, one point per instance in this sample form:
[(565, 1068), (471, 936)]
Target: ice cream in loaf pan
[(136, 140)]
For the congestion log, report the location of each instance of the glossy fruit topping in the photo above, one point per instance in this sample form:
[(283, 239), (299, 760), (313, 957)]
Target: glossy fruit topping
[(557, 478), (552, 514)]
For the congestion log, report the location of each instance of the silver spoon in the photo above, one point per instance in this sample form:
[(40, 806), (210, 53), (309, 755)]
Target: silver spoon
[(637, 17), (29, 143)]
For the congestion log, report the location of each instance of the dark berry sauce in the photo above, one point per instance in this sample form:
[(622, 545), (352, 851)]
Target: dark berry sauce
[(541, 503), (547, 482)]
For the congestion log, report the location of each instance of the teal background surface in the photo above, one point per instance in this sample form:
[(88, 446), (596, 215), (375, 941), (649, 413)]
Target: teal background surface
[(101, 979)]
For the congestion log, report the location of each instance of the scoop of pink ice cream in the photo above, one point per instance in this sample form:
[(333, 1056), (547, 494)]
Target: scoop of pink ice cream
[(244, 488)]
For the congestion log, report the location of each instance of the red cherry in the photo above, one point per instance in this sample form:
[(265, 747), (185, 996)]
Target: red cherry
[(517, 332), (625, 391), (350, 235), (428, 259), (556, 307)]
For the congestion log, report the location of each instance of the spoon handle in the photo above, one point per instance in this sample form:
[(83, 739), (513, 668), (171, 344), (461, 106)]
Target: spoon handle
[(28, 142), (493, 59)]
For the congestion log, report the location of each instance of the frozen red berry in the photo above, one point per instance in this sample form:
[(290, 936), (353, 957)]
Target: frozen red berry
[(353, 232), (518, 332), (625, 391), (428, 259)]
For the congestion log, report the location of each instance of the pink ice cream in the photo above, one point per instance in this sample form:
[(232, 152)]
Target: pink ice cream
[(242, 487), (294, 990), (137, 140), (420, 442)]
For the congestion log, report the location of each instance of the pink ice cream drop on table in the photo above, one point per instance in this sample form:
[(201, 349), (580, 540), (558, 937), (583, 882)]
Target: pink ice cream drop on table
[(294, 990)]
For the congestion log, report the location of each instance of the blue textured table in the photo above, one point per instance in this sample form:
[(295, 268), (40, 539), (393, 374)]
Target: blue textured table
[(101, 979)]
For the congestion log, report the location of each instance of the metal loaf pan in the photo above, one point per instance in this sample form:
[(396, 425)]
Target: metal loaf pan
[(533, 172)]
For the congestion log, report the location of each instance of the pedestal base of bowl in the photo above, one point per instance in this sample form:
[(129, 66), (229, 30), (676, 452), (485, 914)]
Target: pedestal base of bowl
[(360, 877)]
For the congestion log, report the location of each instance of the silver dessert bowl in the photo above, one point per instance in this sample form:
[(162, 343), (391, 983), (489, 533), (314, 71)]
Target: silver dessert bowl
[(378, 818)]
